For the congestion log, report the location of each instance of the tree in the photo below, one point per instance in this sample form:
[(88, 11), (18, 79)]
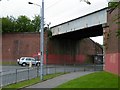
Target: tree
[(8, 24), (36, 23), (113, 5), (21, 24), (24, 24)]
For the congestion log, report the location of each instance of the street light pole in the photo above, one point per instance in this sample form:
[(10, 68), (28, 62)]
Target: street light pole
[(41, 37), (42, 41)]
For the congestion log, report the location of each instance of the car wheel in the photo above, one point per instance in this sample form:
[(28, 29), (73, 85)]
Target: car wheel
[(24, 64), (18, 63), (38, 64)]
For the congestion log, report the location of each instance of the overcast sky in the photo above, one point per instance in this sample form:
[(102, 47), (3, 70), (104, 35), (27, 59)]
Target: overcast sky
[(56, 11)]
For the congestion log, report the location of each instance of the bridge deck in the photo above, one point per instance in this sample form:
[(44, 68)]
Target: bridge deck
[(93, 19)]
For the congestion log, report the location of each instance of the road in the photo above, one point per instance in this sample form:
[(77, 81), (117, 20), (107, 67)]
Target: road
[(10, 68)]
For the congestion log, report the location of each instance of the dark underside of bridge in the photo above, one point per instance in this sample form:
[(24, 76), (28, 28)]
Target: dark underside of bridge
[(82, 33)]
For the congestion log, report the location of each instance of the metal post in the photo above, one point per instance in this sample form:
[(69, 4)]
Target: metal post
[(42, 40), (28, 73), (74, 67), (16, 76), (64, 68), (55, 68), (37, 71)]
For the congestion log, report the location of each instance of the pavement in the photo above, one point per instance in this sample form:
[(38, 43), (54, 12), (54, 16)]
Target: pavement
[(52, 83)]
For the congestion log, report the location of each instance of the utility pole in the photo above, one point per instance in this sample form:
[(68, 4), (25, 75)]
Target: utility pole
[(42, 41)]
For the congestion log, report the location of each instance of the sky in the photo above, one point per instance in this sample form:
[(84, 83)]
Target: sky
[(56, 11)]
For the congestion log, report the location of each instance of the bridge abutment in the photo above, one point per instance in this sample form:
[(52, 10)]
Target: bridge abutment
[(112, 42), (71, 51)]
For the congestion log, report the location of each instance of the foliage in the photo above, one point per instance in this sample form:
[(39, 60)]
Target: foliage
[(36, 23), (118, 33), (49, 34), (113, 5), (21, 24), (8, 24)]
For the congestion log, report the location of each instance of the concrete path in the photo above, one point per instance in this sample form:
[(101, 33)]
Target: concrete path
[(52, 83)]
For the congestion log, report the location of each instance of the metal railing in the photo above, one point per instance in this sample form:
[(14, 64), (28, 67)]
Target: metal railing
[(17, 75)]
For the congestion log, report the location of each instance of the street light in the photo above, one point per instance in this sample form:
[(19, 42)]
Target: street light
[(41, 37), (34, 4), (88, 2)]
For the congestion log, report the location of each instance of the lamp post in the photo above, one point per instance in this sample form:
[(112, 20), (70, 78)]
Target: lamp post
[(41, 37)]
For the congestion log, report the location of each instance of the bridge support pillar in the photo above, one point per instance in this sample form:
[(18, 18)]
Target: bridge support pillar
[(112, 42)]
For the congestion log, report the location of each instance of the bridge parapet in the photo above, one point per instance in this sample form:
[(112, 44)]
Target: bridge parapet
[(95, 18)]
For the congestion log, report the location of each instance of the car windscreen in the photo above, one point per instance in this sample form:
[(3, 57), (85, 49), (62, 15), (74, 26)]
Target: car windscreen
[(22, 58)]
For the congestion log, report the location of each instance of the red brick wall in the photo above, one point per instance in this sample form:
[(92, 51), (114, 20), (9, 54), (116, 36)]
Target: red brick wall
[(89, 47), (111, 62), (72, 51), (60, 51), (16, 45), (112, 42)]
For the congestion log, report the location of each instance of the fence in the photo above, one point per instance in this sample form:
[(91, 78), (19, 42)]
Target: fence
[(17, 75)]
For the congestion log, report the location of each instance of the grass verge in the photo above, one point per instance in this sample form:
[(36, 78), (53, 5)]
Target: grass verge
[(30, 82), (7, 63), (94, 80)]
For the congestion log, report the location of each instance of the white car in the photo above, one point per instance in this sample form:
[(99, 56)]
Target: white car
[(27, 60)]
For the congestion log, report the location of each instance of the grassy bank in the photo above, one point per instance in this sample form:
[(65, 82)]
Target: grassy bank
[(94, 80)]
